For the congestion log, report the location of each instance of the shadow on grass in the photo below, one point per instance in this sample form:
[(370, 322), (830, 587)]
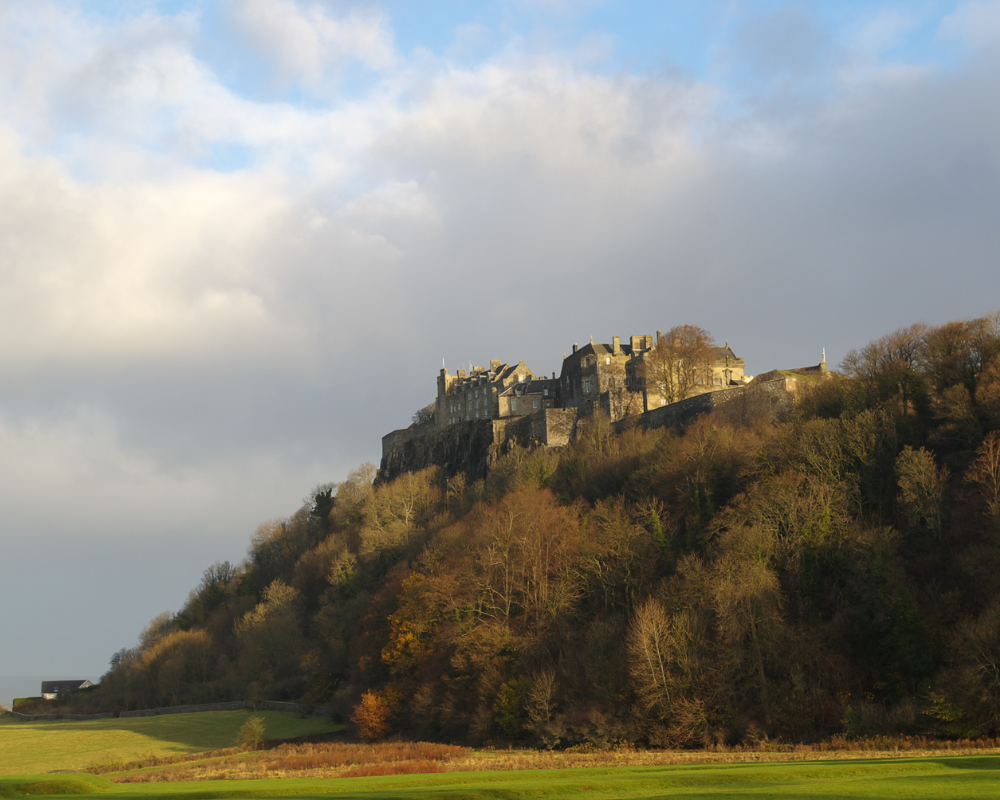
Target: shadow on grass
[(195, 732)]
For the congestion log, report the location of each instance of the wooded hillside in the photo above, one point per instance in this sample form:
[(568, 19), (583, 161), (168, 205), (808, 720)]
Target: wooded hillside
[(834, 572)]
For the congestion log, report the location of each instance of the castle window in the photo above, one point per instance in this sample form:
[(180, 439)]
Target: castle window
[(513, 405), (536, 404), (607, 359)]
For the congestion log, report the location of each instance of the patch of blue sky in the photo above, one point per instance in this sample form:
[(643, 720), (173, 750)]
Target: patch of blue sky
[(433, 26), (644, 35), (225, 157), (246, 74), (683, 38), (640, 37), (657, 37), (116, 13), (925, 42), (918, 39)]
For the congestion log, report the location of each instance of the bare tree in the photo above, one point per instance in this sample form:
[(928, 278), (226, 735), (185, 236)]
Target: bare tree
[(921, 489), (888, 368), (986, 472), (679, 364), (666, 670)]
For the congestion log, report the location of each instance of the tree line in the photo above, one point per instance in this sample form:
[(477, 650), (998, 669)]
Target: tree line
[(833, 572)]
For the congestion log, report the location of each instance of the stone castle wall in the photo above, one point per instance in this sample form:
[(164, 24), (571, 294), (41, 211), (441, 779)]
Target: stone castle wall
[(463, 447), (473, 446), (739, 404)]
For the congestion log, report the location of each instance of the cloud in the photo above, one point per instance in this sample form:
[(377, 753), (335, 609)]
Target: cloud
[(303, 42), (786, 43), (976, 22), (117, 270), (194, 346)]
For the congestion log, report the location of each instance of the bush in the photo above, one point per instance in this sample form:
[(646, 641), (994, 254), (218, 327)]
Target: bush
[(252, 734), (109, 761), (371, 716)]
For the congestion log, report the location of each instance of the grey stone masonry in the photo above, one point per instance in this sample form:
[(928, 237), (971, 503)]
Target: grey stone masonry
[(740, 404), (482, 414)]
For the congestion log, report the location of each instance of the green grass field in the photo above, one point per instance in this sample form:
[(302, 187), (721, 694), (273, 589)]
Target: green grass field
[(69, 746), (36, 757), (951, 777)]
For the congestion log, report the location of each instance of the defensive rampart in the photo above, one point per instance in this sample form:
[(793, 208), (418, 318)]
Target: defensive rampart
[(741, 405), (472, 447)]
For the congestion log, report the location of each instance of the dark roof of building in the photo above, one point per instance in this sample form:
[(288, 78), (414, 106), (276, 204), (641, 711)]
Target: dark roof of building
[(507, 370), (596, 349), (725, 351), (534, 386)]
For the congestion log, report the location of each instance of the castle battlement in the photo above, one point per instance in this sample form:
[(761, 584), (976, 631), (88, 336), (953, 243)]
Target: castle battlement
[(482, 413)]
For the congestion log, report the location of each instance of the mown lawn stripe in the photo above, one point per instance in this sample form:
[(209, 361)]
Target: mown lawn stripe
[(955, 777)]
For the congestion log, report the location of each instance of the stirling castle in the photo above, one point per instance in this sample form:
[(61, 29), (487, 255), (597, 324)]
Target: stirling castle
[(479, 414)]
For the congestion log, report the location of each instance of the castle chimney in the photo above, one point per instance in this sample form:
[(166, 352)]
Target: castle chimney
[(616, 345), (574, 347), (659, 336)]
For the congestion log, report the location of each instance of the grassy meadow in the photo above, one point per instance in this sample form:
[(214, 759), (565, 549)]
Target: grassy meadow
[(186, 755), (949, 777), (72, 746)]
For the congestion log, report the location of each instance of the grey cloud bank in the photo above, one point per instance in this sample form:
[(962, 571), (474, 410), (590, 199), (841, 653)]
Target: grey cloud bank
[(187, 351)]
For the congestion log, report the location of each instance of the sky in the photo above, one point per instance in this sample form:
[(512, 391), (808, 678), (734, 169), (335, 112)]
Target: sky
[(238, 237)]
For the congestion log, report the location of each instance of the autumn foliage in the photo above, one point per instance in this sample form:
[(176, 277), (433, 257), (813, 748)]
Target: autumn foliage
[(371, 715), (832, 573)]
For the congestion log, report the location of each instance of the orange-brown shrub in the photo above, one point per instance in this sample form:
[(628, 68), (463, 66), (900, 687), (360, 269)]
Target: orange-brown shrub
[(371, 715), (396, 768)]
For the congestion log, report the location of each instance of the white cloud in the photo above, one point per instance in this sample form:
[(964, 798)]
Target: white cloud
[(205, 344), (976, 22), (864, 63), (119, 269), (73, 475), (303, 41)]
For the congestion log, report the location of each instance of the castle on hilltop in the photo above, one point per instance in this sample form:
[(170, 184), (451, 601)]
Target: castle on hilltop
[(611, 377), (480, 414)]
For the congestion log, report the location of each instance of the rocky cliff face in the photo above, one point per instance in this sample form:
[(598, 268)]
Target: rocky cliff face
[(468, 447), (473, 446)]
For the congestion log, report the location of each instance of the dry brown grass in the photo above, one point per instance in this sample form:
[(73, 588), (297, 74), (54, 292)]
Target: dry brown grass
[(346, 759), (115, 762)]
